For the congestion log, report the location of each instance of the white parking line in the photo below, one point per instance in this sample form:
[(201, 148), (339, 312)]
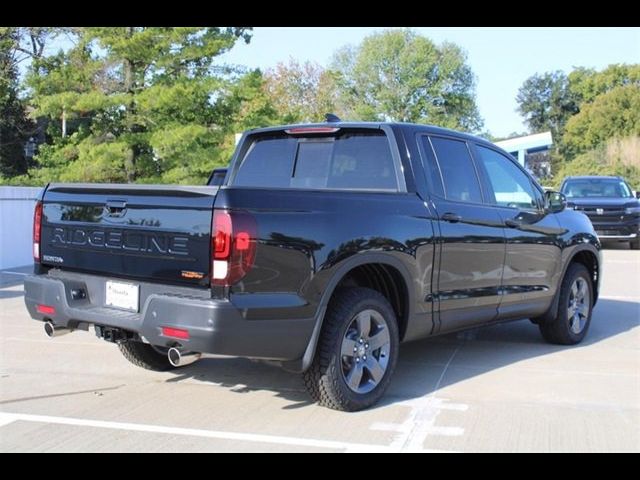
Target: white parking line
[(420, 422), (15, 273), (619, 297), (7, 418)]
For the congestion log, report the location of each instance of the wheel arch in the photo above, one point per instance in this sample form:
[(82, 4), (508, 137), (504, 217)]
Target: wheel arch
[(590, 260), (588, 256), (383, 273)]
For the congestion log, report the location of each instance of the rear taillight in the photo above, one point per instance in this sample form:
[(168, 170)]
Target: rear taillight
[(37, 231), (233, 246)]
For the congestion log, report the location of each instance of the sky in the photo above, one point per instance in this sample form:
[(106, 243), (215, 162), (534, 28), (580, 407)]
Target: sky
[(501, 58)]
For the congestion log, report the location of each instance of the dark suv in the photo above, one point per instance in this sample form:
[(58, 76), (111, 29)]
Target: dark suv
[(609, 203)]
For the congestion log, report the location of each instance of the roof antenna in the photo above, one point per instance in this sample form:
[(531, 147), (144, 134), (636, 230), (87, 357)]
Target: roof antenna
[(331, 118)]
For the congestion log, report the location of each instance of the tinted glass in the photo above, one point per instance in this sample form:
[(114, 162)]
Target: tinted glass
[(596, 187), (268, 163), (511, 186), (217, 177), (431, 169), (362, 161), (458, 173), (539, 197), (312, 166), (352, 160)]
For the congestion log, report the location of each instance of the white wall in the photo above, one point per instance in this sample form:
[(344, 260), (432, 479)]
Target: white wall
[(16, 218)]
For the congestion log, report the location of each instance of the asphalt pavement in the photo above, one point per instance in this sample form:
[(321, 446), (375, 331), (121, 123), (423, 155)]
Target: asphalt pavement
[(498, 388)]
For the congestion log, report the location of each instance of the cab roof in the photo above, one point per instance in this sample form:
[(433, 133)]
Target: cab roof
[(413, 127)]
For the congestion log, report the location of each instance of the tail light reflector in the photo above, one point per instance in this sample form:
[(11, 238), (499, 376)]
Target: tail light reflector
[(175, 333), (46, 309)]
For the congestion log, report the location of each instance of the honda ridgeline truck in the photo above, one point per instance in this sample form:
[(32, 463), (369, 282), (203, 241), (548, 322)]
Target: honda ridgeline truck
[(322, 249)]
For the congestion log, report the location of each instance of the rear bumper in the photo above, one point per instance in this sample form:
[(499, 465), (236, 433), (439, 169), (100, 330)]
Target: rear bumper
[(215, 326)]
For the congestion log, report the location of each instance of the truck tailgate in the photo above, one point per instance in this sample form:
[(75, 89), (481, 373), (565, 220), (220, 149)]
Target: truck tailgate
[(154, 232)]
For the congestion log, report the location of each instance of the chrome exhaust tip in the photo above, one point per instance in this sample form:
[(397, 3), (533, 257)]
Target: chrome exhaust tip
[(180, 359), (53, 331)]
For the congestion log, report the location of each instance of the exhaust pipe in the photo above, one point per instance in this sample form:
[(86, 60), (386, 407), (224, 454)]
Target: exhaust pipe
[(180, 359), (53, 331)]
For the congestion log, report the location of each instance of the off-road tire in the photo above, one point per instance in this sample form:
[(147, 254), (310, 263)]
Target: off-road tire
[(558, 330), (324, 379)]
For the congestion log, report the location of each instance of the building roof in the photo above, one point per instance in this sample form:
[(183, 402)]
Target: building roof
[(527, 142)]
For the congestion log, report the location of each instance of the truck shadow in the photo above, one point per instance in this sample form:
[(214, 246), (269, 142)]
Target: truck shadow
[(427, 366)]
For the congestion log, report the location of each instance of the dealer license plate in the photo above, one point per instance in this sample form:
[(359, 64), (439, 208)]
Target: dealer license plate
[(122, 295)]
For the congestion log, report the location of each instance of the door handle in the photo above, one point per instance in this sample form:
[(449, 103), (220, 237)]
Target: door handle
[(451, 217), (513, 223)]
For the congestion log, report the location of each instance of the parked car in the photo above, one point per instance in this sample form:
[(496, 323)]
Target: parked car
[(325, 247), (610, 204)]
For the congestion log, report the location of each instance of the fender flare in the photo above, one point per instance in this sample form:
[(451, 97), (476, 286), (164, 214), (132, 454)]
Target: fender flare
[(553, 309), (299, 366)]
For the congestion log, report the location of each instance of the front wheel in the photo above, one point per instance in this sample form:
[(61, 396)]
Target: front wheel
[(357, 351), (574, 310)]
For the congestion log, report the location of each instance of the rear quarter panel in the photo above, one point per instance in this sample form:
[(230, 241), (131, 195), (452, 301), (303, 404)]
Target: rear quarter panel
[(306, 238)]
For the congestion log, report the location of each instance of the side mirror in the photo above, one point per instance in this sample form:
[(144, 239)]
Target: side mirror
[(637, 194), (556, 202)]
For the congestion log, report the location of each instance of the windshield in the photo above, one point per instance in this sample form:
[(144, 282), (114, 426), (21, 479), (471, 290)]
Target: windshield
[(596, 187)]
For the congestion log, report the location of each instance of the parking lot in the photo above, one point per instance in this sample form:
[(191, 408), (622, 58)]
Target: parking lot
[(498, 388)]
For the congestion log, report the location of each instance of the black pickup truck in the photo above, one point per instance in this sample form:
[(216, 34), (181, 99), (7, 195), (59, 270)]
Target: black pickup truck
[(324, 247)]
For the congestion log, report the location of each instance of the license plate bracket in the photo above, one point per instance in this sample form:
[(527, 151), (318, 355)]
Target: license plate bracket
[(121, 295)]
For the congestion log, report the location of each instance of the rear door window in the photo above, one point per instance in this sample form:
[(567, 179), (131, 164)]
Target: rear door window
[(352, 160), (459, 176)]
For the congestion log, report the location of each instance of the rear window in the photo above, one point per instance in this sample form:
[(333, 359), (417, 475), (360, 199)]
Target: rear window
[(353, 160)]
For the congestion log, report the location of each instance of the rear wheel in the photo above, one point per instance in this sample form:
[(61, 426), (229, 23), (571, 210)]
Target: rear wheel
[(574, 310), (357, 351), (146, 356)]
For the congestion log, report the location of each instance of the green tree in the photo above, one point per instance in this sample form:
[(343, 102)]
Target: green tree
[(546, 103), (15, 127), (301, 92), (618, 156), (586, 84), (134, 103), (614, 114), (399, 75)]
